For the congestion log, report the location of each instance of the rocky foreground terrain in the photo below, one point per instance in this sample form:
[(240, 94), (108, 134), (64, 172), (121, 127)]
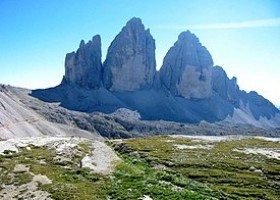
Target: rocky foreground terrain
[(159, 167), (46, 167)]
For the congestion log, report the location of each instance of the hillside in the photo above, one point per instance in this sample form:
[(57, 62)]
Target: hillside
[(18, 120), (122, 123)]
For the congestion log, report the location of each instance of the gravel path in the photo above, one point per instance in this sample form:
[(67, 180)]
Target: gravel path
[(102, 159)]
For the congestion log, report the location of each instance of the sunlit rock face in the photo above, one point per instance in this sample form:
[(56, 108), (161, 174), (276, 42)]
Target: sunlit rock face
[(186, 69), (84, 67), (130, 64)]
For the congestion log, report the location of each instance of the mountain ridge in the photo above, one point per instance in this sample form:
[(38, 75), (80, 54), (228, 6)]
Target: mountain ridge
[(187, 88)]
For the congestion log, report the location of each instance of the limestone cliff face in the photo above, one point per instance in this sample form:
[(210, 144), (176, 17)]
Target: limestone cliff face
[(130, 64), (225, 87), (84, 67), (186, 69)]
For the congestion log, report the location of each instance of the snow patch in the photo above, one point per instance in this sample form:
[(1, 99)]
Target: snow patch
[(270, 153), (182, 146), (199, 138), (268, 139)]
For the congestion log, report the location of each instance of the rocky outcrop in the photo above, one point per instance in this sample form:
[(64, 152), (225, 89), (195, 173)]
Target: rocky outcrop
[(250, 104), (259, 106), (225, 87), (186, 89), (186, 69), (130, 64), (3, 88), (84, 67)]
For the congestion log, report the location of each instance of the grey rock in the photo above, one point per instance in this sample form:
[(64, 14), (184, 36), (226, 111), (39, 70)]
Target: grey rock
[(18, 120), (258, 105), (251, 102), (225, 87), (253, 169), (20, 168), (3, 88), (130, 64), (187, 89), (152, 106), (84, 67), (186, 69)]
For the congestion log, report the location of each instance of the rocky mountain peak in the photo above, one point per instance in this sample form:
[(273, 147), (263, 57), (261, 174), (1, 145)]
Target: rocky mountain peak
[(135, 23), (82, 44), (187, 37), (187, 88), (186, 69), (84, 66), (130, 64)]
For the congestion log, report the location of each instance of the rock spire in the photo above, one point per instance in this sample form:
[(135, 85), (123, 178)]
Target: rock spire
[(186, 69), (130, 64), (84, 67)]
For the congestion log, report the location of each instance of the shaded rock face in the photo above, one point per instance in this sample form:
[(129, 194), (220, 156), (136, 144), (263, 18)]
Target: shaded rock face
[(84, 67), (225, 87), (258, 105), (186, 69), (130, 64), (251, 103)]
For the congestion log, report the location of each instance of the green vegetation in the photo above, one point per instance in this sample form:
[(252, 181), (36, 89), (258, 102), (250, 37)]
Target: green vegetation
[(69, 181), (155, 167), (135, 178), (220, 168)]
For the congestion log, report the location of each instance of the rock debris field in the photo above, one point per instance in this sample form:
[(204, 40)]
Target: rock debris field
[(20, 181)]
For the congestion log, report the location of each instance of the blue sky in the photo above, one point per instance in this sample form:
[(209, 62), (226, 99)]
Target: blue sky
[(243, 36)]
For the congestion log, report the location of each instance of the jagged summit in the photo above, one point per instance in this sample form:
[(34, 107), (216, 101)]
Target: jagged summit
[(186, 69), (187, 37), (135, 23), (130, 64), (84, 67), (192, 46), (186, 89)]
